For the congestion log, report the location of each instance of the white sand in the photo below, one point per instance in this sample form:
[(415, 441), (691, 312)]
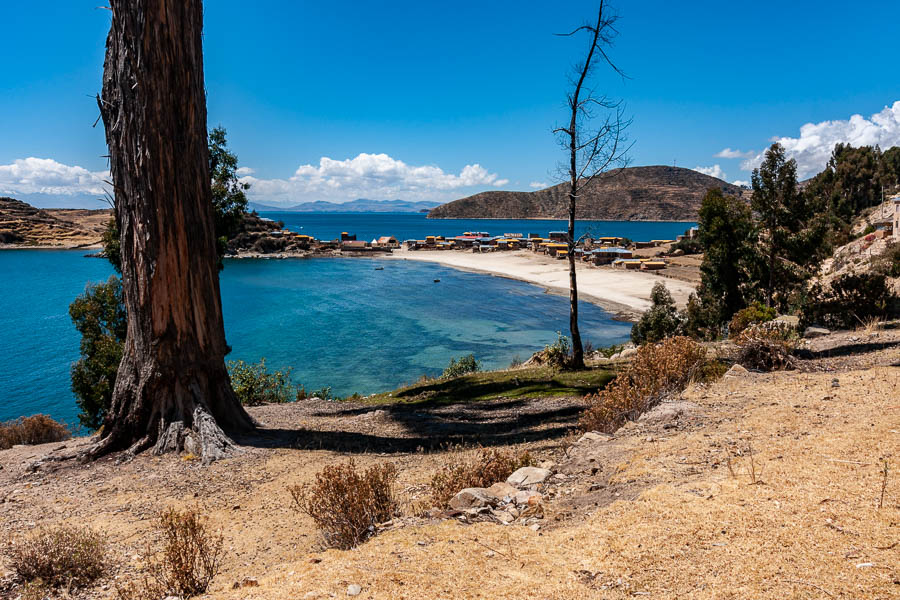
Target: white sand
[(624, 292)]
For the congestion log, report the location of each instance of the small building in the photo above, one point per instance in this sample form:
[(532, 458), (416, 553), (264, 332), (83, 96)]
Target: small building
[(652, 265), (348, 237), (386, 241), (630, 264), (558, 236), (604, 256), (354, 245), (896, 232)]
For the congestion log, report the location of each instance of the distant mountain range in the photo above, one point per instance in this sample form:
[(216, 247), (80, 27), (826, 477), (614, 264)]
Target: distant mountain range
[(656, 193), (360, 205)]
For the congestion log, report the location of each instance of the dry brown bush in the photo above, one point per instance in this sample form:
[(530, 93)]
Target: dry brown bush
[(60, 556), (346, 504), (483, 469), (185, 564), (38, 429), (767, 347), (656, 371)]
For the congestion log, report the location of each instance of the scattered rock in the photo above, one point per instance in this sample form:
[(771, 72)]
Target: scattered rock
[(353, 590), (528, 476), (535, 527), (594, 436), (814, 332), (246, 582), (502, 490), (736, 371), (628, 353), (527, 497), (473, 498)]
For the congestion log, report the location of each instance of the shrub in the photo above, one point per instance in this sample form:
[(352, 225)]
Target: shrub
[(185, 564), (484, 469), (462, 366), (346, 504), (688, 246), (608, 351), (99, 316), (324, 393), (38, 429), (656, 371), (889, 263), (766, 347), (559, 352), (60, 556), (851, 300), (255, 385), (755, 313), (660, 321)]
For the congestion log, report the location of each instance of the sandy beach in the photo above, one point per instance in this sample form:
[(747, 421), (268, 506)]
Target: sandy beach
[(626, 293)]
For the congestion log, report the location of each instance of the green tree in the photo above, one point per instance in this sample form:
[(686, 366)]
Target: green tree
[(99, 316), (730, 268), (890, 166), (228, 197), (660, 321), (783, 213)]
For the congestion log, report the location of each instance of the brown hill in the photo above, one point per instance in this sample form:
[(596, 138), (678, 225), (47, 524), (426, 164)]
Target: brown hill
[(657, 193), (24, 225)]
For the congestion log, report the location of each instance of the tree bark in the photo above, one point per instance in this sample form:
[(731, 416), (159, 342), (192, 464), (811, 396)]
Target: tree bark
[(172, 391), (577, 346)]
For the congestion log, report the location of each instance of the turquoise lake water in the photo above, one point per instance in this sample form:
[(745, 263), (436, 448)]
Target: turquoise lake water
[(337, 322)]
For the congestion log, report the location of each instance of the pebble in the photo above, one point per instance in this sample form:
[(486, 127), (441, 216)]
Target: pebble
[(353, 590)]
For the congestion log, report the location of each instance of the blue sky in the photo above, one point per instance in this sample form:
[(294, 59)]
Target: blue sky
[(434, 101)]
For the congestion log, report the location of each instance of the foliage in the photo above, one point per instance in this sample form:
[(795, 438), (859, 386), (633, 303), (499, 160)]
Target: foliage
[(60, 556), (687, 245), (462, 366), (324, 393), (656, 371), (484, 469), (766, 346), (228, 197), (112, 246), (889, 262), (558, 353), (99, 316), (186, 562), (346, 504), (850, 301), (608, 351), (37, 429), (702, 316), (755, 313), (254, 385), (729, 269), (660, 321)]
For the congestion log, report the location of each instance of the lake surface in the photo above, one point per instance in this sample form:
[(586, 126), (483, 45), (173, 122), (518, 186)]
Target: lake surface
[(337, 322), (326, 226)]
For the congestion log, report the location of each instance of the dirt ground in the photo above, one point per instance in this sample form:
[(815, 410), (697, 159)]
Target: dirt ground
[(757, 486)]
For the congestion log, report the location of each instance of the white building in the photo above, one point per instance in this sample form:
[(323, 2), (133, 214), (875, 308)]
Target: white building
[(896, 234)]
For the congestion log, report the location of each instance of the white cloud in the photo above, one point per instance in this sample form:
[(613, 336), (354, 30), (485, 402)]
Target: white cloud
[(741, 183), (244, 171), (537, 185), (812, 148), (729, 153), (713, 171), (47, 176), (375, 176)]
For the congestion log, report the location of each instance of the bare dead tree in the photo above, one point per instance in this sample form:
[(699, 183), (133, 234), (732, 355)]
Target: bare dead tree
[(593, 150), (172, 390)]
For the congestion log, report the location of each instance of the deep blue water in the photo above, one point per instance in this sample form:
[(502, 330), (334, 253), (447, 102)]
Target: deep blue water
[(326, 226), (336, 322)]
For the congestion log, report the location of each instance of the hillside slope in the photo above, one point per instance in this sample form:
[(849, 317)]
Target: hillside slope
[(23, 224), (657, 193)]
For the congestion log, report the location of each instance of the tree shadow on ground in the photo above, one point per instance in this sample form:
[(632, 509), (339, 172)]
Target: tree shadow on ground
[(846, 350), (412, 428)]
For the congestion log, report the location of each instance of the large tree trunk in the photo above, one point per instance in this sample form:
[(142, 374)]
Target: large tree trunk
[(172, 390)]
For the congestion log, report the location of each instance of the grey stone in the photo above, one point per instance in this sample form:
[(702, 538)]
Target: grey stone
[(628, 353), (473, 498), (502, 490), (814, 332), (528, 476), (594, 436), (353, 590), (527, 497)]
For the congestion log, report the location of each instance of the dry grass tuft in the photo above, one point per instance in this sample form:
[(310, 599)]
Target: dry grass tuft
[(656, 371), (38, 429), (767, 347), (346, 504), (185, 565), (483, 469), (61, 556)]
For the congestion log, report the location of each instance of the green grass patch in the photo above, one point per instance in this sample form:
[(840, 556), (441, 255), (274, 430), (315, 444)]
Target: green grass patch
[(536, 382)]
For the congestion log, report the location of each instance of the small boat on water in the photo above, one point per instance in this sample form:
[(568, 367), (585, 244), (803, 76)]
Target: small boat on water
[(379, 268), (437, 280)]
